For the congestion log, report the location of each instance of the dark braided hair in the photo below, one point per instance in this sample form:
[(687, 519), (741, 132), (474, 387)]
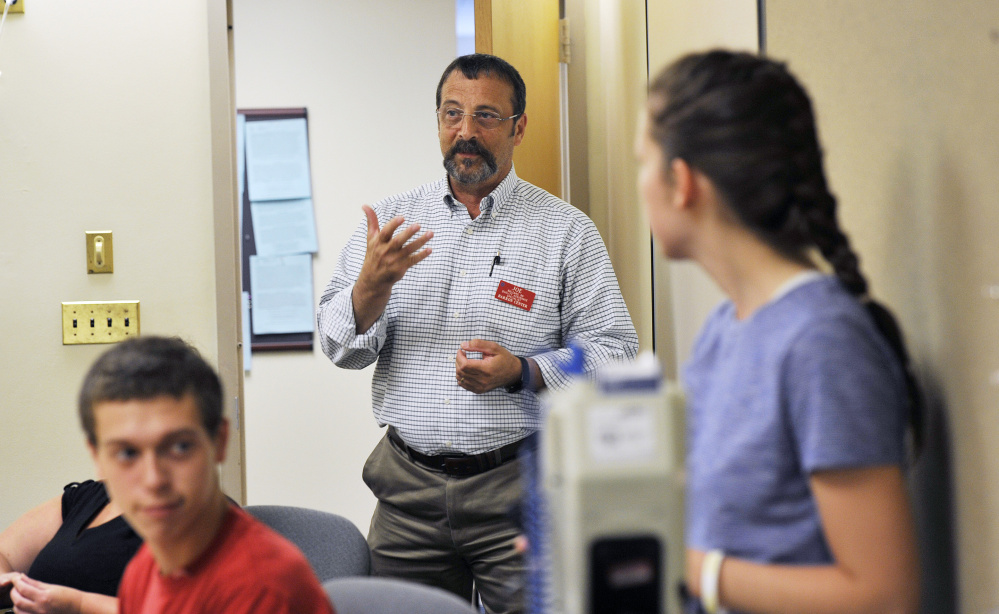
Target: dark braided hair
[(747, 124)]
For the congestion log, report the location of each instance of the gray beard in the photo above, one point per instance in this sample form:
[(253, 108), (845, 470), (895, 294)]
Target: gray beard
[(470, 176)]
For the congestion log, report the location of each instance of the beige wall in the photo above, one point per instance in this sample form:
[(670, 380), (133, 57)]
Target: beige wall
[(614, 32), (684, 294), (105, 123), (367, 73), (907, 101)]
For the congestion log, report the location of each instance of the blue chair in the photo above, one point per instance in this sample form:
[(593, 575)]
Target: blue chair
[(333, 545), (378, 595)]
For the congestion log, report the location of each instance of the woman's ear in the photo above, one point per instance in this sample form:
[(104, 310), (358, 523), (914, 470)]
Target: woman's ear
[(685, 188)]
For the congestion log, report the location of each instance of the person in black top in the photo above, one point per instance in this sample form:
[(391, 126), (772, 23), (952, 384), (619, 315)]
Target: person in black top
[(67, 555)]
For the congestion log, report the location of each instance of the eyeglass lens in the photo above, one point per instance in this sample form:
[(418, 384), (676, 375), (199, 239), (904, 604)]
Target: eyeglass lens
[(453, 117)]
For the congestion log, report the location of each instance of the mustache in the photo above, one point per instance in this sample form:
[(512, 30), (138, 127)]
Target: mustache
[(471, 147)]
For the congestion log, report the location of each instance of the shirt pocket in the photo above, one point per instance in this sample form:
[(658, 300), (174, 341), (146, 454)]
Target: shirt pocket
[(508, 321)]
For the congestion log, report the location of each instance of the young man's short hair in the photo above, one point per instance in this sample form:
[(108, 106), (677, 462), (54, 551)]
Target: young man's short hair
[(149, 367)]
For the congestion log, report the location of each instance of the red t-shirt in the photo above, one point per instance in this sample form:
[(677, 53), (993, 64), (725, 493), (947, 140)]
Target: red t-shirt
[(248, 568)]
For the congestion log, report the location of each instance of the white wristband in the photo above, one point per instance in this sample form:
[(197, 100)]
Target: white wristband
[(710, 572)]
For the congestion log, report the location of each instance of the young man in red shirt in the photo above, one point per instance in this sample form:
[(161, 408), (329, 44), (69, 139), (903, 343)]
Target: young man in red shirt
[(151, 408)]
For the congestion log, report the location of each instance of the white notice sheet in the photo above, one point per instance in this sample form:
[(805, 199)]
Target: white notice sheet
[(283, 227), (277, 159), (282, 294)]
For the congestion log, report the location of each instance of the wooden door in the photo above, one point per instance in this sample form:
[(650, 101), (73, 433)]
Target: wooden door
[(525, 33)]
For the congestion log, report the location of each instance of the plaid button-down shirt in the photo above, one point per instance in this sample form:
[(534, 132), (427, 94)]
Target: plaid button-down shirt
[(545, 246)]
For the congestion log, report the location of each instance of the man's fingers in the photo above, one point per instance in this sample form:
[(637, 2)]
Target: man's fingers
[(482, 346), (385, 234), (419, 256), (403, 240), (372, 218), (407, 244), (400, 239), (415, 245)]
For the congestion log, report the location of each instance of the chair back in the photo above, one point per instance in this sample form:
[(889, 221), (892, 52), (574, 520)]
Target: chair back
[(369, 595), (333, 545)]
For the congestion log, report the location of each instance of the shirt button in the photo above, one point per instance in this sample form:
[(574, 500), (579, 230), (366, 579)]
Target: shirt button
[(463, 273), (447, 401), (457, 315), (447, 444), (469, 230)]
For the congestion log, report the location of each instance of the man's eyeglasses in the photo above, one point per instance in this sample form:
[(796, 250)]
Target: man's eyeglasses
[(486, 120)]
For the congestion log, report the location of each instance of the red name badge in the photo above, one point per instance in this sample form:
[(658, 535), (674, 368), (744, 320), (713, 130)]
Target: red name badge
[(515, 295)]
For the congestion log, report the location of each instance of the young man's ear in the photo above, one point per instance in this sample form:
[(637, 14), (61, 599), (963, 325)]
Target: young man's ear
[(221, 440), (92, 448)]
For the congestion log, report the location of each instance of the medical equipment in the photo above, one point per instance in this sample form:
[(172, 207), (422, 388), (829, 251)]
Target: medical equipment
[(611, 459)]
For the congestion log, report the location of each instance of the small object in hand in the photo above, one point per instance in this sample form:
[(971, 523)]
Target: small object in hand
[(5, 601)]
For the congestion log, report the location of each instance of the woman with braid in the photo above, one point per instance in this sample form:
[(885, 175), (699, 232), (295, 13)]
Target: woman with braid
[(798, 387)]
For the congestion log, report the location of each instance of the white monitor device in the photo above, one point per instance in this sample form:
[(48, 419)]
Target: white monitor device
[(611, 472)]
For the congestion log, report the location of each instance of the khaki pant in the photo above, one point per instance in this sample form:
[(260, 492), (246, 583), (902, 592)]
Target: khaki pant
[(446, 531)]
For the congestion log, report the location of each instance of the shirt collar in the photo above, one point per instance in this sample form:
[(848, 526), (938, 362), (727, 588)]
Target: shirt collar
[(491, 204), (794, 282)]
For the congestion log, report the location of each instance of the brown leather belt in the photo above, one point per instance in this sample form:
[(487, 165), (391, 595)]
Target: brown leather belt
[(457, 465)]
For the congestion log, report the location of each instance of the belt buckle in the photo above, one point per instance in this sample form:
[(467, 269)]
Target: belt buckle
[(459, 466)]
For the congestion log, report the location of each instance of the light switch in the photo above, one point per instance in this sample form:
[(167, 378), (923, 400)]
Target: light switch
[(95, 322), (100, 256)]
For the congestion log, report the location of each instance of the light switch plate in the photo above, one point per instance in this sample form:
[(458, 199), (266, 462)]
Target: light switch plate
[(100, 252), (99, 322)]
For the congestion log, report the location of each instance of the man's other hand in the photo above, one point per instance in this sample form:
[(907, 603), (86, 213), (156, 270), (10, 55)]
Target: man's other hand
[(497, 367)]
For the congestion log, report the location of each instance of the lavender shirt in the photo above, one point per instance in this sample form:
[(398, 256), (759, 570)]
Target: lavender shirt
[(805, 384)]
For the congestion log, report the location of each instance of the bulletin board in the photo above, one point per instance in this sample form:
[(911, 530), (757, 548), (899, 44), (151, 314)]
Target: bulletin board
[(255, 245)]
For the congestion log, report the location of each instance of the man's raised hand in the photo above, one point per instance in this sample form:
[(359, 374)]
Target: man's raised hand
[(387, 258)]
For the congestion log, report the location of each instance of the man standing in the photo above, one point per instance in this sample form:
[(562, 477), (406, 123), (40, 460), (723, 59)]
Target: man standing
[(464, 337), (151, 409)]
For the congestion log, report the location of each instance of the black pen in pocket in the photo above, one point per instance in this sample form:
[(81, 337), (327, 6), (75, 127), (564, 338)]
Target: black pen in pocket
[(496, 260)]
